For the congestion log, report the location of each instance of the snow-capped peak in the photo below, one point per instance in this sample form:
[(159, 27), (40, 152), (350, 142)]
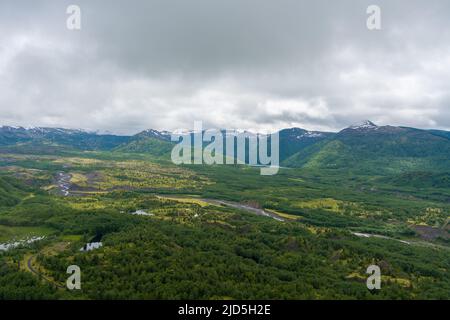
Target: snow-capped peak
[(12, 128), (153, 131), (367, 124), (297, 133), (164, 135)]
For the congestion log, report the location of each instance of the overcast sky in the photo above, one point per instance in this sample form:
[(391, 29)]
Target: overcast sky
[(247, 64)]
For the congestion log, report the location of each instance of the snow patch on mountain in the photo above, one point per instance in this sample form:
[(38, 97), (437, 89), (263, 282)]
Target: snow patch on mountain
[(311, 134), (299, 134), (365, 125)]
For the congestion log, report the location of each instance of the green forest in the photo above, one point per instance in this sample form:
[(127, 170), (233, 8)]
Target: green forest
[(199, 237)]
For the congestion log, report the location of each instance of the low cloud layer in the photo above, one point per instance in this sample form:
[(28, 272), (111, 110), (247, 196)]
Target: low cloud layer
[(247, 64)]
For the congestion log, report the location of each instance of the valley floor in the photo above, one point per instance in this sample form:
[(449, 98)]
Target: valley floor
[(215, 232)]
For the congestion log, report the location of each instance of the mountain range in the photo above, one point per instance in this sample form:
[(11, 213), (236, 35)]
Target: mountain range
[(365, 146)]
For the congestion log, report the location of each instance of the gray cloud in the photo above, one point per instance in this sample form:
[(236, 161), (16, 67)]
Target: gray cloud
[(252, 64)]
